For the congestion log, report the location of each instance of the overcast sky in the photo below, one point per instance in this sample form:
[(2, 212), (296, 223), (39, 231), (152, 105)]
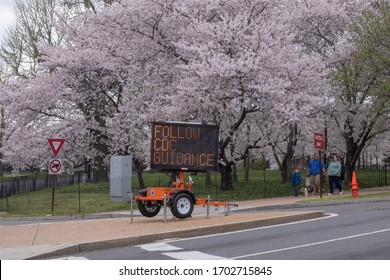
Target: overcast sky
[(6, 15)]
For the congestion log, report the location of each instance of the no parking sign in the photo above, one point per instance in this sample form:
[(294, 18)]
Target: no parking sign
[(55, 166)]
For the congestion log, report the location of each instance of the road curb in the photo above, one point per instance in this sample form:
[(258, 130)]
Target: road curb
[(193, 232), (76, 217)]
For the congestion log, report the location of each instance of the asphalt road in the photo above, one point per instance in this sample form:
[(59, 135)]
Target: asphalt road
[(350, 232)]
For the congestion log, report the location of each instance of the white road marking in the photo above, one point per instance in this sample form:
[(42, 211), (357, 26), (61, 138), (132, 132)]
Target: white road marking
[(329, 215), (158, 246), (312, 244), (192, 255), (184, 255), (71, 258), (196, 255)]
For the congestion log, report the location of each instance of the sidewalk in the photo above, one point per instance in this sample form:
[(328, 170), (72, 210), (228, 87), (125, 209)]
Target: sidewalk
[(56, 236)]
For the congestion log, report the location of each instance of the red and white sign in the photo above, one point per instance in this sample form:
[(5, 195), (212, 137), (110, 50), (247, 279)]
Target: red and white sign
[(56, 145), (319, 141), (55, 166)]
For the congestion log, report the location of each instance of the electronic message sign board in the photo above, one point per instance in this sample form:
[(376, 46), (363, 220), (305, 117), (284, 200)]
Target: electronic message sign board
[(184, 146)]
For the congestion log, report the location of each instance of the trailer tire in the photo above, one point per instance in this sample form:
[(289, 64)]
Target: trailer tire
[(182, 206), (149, 208)]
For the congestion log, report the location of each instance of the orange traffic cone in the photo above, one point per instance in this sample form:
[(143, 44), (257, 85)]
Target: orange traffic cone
[(354, 185)]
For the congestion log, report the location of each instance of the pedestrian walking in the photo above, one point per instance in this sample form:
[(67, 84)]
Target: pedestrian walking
[(313, 172), (296, 181), (334, 171)]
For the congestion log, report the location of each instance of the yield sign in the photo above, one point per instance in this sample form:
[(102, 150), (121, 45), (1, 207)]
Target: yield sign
[(56, 145)]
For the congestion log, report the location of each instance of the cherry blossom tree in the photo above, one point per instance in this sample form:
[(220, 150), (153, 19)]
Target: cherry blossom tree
[(95, 88), (256, 68), (249, 68), (325, 28), (130, 64), (21, 56), (362, 84)]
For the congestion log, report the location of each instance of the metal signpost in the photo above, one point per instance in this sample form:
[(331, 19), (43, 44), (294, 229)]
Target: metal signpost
[(55, 165)]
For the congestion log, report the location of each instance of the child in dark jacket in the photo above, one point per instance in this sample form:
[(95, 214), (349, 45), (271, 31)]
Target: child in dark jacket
[(296, 181)]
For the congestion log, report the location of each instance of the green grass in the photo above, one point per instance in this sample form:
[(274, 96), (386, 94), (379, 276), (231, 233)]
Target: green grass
[(95, 198), (257, 187)]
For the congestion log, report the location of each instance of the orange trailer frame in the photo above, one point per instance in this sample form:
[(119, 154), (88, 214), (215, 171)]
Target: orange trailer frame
[(180, 199)]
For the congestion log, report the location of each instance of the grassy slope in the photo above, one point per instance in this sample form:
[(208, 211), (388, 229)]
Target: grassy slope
[(95, 198)]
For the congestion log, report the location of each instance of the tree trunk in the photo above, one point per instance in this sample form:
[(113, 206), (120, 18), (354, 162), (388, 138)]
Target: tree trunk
[(2, 127), (246, 168), (226, 177), (287, 169), (355, 147), (208, 182), (100, 172), (235, 176), (138, 167), (1, 167), (352, 157), (285, 163), (253, 164), (247, 157)]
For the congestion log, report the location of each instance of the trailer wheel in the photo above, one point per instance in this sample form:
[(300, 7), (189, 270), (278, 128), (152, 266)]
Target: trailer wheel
[(149, 208), (182, 206)]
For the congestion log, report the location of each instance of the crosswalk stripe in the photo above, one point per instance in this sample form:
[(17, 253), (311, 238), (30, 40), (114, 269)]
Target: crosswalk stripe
[(192, 255), (158, 246), (71, 258)]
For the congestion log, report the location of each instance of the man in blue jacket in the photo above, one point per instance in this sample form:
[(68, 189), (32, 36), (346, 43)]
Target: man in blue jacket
[(313, 172)]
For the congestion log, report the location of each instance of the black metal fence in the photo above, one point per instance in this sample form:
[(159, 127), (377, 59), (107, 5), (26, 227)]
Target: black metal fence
[(383, 175), (374, 175), (25, 184)]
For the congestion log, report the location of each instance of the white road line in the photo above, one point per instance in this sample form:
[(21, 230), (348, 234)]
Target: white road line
[(329, 215), (312, 244), (192, 255), (71, 258), (158, 246), (196, 255), (184, 255)]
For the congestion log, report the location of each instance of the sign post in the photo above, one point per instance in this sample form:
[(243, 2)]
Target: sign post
[(55, 165), (319, 144)]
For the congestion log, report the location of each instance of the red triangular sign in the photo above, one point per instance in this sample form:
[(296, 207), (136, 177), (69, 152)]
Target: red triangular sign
[(56, 145)]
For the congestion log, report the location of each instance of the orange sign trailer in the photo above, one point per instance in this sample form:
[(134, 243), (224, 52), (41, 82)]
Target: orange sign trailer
[(180, 199), (190, 147)]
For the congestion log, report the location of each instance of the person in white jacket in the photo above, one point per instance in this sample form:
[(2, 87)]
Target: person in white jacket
[(334, 171)]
